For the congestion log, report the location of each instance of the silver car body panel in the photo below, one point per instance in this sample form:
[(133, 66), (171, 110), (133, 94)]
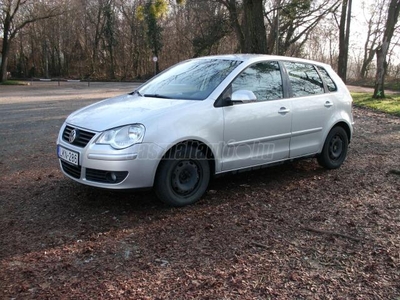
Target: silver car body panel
[(239, 136)]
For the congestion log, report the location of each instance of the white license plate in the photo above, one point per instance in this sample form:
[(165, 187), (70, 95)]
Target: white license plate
[(68, 155)]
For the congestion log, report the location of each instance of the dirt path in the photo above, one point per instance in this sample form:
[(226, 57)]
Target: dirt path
[(39, 91), (293, 231), (361, 89)]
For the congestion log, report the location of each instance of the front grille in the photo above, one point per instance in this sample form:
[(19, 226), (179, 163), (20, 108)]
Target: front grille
[(105, 176), (71, 170), (82, 137)]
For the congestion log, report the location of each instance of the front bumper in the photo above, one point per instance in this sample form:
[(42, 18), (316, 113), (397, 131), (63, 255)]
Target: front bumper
[(104, 167)]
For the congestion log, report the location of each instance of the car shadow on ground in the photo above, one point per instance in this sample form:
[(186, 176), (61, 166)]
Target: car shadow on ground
[(58, 211)]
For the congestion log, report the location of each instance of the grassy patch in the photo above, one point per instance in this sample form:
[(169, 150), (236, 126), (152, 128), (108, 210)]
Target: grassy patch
[(390, 84), (391, 104), (394, 85), (14, 82)]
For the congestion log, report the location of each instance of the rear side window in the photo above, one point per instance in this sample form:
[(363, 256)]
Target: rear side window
[(304, 79), (263, 79), (330, 84)]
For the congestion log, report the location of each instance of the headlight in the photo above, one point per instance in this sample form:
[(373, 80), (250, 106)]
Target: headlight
[(122, 137)]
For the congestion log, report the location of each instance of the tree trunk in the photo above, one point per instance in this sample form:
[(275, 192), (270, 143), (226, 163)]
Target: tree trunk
[(382, 51), (379, 91), (4, 60), (344, 36), (366, 62), (254, 28), (368, 54), (6, 47), (11, 28), (371, 40), (234, 19)]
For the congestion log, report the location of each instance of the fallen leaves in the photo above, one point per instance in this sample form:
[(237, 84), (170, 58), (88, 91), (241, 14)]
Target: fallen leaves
[(292, 231)]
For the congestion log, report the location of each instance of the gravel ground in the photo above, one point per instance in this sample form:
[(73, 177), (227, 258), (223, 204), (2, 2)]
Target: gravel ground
[(295, 231)]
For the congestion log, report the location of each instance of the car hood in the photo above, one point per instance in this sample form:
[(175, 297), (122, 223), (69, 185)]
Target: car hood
[(123, 110)]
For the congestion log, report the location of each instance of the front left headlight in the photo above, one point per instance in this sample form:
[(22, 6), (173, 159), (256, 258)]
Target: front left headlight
[(122, 137)]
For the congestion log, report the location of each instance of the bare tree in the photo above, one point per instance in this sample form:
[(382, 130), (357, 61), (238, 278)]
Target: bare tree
[(291, 22), (322, 43), (234, 16), (374, 32), (344, 37), (110, 35), (382, 50), (288, 23), (133, 54), (13, 21), (108, 38), (212, 26), (247, 21), (254, 27)]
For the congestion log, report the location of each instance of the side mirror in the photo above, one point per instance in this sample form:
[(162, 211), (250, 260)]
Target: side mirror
[(243, 96)]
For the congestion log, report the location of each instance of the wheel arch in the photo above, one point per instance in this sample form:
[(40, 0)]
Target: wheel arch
[(342, 124), (203, 147), (346, 128)]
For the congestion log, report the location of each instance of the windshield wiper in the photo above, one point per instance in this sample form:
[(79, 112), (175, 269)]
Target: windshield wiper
[(157, 96)]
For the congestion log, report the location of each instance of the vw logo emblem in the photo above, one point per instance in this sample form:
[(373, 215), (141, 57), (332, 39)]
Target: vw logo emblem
[(72, 136)]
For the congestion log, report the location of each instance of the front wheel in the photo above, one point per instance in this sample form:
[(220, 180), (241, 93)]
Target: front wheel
[(335, 149), (182, 177)]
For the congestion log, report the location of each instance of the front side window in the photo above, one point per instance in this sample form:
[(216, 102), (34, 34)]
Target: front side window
[(263, 79), (304, 79), (190, 80)]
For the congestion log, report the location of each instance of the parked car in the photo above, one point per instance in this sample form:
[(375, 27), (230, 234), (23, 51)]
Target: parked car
[(208, 116)]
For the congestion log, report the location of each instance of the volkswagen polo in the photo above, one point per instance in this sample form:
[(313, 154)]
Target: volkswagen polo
[(208, 116)]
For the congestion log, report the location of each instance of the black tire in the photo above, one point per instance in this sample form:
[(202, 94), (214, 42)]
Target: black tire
[(182, 176), (335, 149)]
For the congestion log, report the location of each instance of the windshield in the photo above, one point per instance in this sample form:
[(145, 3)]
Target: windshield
[(190, 80)]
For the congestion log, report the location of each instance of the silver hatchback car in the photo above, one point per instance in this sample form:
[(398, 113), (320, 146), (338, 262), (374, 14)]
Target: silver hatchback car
[(208, 116)]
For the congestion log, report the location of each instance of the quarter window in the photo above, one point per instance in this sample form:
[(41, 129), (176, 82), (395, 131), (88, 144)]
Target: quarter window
[(330, 84), (304, 79), (263, 79)]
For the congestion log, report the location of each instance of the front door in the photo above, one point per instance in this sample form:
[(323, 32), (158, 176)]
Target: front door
[(257, 132)]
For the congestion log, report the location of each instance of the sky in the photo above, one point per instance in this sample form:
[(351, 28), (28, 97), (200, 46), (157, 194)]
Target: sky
[(359, 29)]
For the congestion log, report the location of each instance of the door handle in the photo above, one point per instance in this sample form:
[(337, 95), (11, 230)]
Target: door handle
[(328, 104), (283, 110)]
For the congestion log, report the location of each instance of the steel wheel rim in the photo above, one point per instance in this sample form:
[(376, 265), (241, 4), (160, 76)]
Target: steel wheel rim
[(186, 177), (336, 147)]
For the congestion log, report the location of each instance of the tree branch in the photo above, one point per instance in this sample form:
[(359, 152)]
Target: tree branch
[(53, 13), (331, 233)]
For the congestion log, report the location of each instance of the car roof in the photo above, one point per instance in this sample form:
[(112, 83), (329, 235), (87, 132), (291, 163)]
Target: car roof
[(257, 57)]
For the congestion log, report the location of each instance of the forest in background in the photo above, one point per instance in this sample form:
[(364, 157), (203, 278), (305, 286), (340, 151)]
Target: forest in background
[(117, 39)]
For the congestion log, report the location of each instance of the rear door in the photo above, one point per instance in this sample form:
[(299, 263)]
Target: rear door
[(311, 108)]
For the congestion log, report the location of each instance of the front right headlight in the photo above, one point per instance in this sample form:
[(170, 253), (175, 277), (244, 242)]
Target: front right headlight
[(122, 137)]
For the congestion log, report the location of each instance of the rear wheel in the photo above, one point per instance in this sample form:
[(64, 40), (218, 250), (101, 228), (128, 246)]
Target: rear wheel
[(335, 149), (182, 177)]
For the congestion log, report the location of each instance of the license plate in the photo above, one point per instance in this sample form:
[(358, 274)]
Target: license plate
[(68, 155)]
